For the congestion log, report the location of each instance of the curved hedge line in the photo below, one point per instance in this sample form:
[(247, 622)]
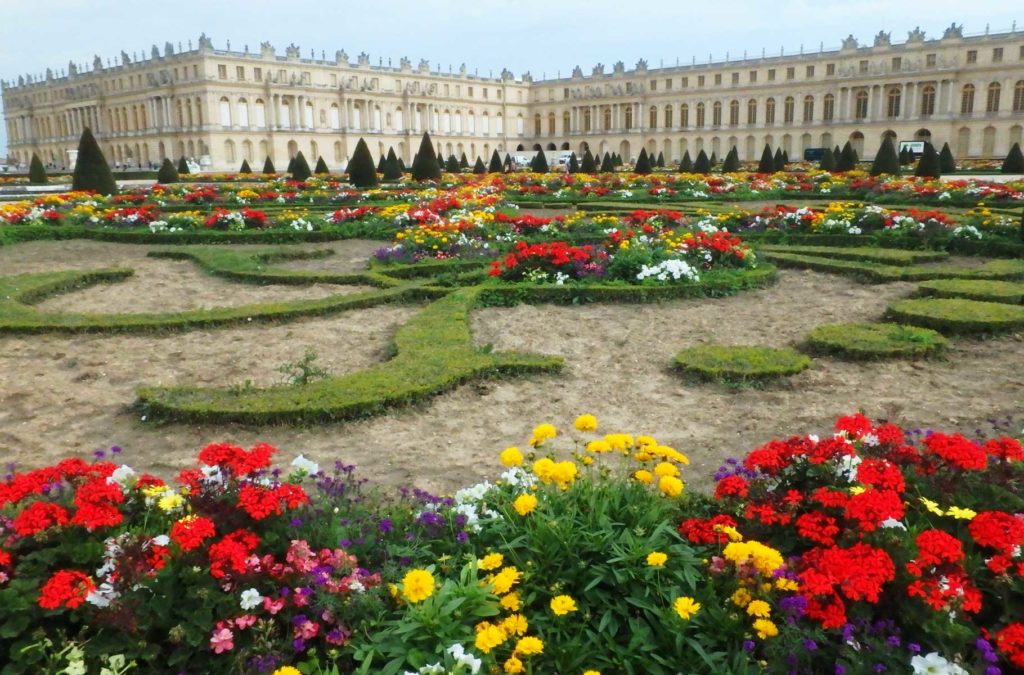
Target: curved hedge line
[(888, 256), (875, 340), (973, 289), (434, 352), (876, 273), (958, 316), (741, 363)]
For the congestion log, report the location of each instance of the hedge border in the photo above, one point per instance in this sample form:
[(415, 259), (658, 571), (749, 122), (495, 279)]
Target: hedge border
[(876, 273), (871, 341), (736, 363), (974, 289), (952, 315), (888, 256)]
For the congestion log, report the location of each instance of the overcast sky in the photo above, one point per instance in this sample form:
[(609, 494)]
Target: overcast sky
[(540, 36)]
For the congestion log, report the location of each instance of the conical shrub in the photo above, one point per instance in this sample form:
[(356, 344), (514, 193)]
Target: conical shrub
[(167, 173), (424, 166), (37, 172), (183, 169), (643, 163), (929, 165), (1014, 162), (887, 161), (291, 166), (947, 163), (463, 162), (539, 163), (321, 166), (361, 171), (767, 163), (91, 169), (686, 163), (380, 163), (778, 160), (661, 160), (732, 161), (702, 164), (588, 165), (607, 164), (300, 167), (245, 168), (268, 167), (392, 171), (828, 161), (495, 164), (479, 166), (848, 158), (574, 165)]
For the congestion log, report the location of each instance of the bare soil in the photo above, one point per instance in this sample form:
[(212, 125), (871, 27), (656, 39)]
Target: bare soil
[(62, 395)]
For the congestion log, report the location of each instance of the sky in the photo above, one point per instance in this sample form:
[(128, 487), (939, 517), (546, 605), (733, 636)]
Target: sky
[(544, 37)]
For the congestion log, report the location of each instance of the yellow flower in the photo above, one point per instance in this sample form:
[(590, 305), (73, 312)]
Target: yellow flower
[(729, 531), (759, 608), (155, 490), (529, 645), (505, 579), (488, 636), (765, 628), (644, 476), (511, 602), (524, 504), (686, 607), (591, 672), (765, 558), (599, 446), (542, 433), (784, 584), (619, 442), (513, 665), (666, 469), (932, 506), (287, 670), (564, 474), (562, 605), (670, 486), (585, 423), (656, 559), (857, 489), (961, 514), (511, 457), (544, 468), (417, 585), (170, 502), (741, 597), (491, 561)]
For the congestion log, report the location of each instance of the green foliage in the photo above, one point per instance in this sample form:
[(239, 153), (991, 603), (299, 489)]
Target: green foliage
[(888, 256), (588, 166), (767, 163), (875, 340), (539, 163), (958, 316), (300, 167), (1014, 162), (380, 164), (686, 164), (886, 160), (37, 172), (878, 273), (732, 161), (974, 289), (303, 371), (702, 165), (495, 164), (321, 167), (392, 170), (479, 167), (947, 163), (291, 166), (425, 166), (848, 158), (779, 161), (268, 167), (91, 169), (463, 162), (361, 171), (828, 161), (607, 164), (929, 166), (739, 364), (183, 169), (661, 160), (574, 165), (246, 169), (167, 173), (643, 163)]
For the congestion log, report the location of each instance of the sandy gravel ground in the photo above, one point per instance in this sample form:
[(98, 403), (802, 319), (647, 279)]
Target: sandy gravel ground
[(63, 395)]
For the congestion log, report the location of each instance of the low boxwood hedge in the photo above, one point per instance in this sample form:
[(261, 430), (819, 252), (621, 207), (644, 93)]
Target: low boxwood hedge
[(888, 256), (951, 315), (876, 273), (742, 363), (974, 289), (874, 340)]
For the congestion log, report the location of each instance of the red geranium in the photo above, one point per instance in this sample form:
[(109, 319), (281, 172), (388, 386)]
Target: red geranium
[(190, 532), (958, 451), (40, 516), (998, 530), (65, 587), (873, 507)]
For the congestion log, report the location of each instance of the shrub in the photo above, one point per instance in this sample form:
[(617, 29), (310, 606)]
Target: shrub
[(380, 163), (463, 162), (702, 165), (539, 163), (392, 171), (929, 165), (452, 165), (37, 172), (828, 161), (848, 159), (732, 161), (167, 173), (1014, 162), (886, 161), (875, 340), (974, 289), (767, 163), (686, 163), (957, 315), (588, 165), (299, 169), (321, 167), (574, 165), (779, 161), (479, 167), (183, 169), (425, 166), (361, 171), (245, 169), (495, 164), (91, 169), (291, 166), (947, 163), (661, 160), (268, 167), (643, 163), (740, 364), (607, 164)]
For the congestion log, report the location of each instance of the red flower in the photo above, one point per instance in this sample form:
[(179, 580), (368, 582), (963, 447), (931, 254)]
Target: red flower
[(958, 451), (40, 516), (231, 553), (731, 486), (96, 499), (998, 530), (818, 527), (936, 547), (872, 507), (880, 474), (705, 531), (1006, 449), (65, 587), (1010, 641), (856, 425), (259, 502), (236, 459), (858, 572), (189, 532)]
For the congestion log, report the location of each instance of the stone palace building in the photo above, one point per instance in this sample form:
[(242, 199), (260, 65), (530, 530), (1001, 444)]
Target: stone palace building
[(222, 106)]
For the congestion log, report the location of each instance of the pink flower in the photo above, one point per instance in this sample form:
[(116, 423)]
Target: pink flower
[(273, 606), (222, 640), (307, 630), (245, 621)]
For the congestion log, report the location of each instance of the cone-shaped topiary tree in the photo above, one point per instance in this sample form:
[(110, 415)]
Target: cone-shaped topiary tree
[(767, 163), (361, 171), (300, 167), (904, 160), (714, 159), (452, 165), (617, 158), (463, 162), (702, 164), (183, 167), (607, 164), (539, 163), (947, 163), (479, 166), (401, 165), (245, 168), (661, 160), (778, 161), (886, 159), (929, 165), (785, 158), (392, 170), (36, 171), (291, 166), (574, 165), (828, 161), (847, 158), (837, 154), (686, 163), (732, 161), (424, 165), (495, 164), (167, 173), (1014, 162), (588, 165), (91, 169), (380, 163), (643, 163), (268, 167), (321, 166)]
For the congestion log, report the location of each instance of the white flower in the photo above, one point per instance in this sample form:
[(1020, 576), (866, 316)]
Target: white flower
[(300, 463), (889, 523), (847, 467), (102, 595), (121, 475), (357, 587), (251, 599), (933, 664), (462, 658), (160, 540)]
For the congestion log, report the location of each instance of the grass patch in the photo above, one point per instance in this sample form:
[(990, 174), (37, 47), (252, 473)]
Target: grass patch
[(434, 353), (875, 340), (957, 315), (740, 364), (974, 289), (887, 256), (877, 273)]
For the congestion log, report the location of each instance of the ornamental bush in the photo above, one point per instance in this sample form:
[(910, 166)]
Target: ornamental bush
[(452, 165), (740, 364), (268, 167), (887, 161), (1014, 162), (299, 168), (167, 173), (661, 160), (767, 163), (245, 168), (702, 165), (361, 171), (495, 164), (588, 165), (91, 169), (463, 162), (607, 164), (686, 163), (875, 340), (539, 163), (732, 161), (392, 170), (947, 163), (479, 167), (643, 163), (779, 160), (321, 167), (929, 166), (828, 161), (848, 158), (183, 169), (425, 166), (574, 165), (291, 166), (37, 172)]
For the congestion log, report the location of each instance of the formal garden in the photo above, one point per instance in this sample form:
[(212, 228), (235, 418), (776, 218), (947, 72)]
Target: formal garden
[(451, 418)]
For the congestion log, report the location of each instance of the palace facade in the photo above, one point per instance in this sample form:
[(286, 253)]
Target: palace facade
[(221, 106)]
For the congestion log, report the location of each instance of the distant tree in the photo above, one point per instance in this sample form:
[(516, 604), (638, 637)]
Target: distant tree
[(828, 161), (380, 163), (268, 167), (183, 169), (617, 159), (778, 160), (392, 170), (732, 161), (767, 163), (91, 169), (574, 165), (291, 166), (714, 159), (463, 162), (452, 165), (424, 164), (588, 165), (947, 163), (401, 165), (904, 158), (245, 169), (37, 172), (479, 166), (607, 164), (848, 158), (686, 163), (887, 161), (321, 166), (1014, 162), (167, 173), (785, 158), (539, 163), (929, 165), (643, 163), (361, 171), (495, 164), (702, 164), (300, 167), (661, 160)]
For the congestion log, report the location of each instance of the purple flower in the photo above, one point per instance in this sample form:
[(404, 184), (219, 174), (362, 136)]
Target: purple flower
[(298, 644), (299, 619), (99, 454), (840, 669), (296, 522), (993, 670), (893, 641), (462, 537), (116, 450), (385, 525), (914, 647), (848, 633), (748, 645), (810, 645), (880, 668)]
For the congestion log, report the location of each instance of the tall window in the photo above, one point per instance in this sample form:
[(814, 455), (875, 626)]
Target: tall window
[(607, 118), (684, 115), (928, 100), (734, 113), (892, 102), (751, 112), (788, 107), (861, 105), (828, 111), (992, 100), (967, 99), (808, 108), (653, 114), (586, 119), (700, 114), (551, 124), (1018, 96), (628, 117), (668, 117), (536, 125), (769, 111), (716, 114), (566, 122)]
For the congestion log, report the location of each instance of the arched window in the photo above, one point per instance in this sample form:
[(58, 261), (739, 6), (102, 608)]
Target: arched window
[(307, 116), (628, 117), (967, 99), (668, 116), (716, 114), (335, 117), (927, 100), (1018, 96), (261, 113), (684, 115), (700, 114), (536, 124), (652, 117), (861, 105), (788, 110), (808, 109), (243, 113), (734, 113), (769, 111), (992, 101), (225, 113), (229, 151), (566, 122), (607, 115), (586, 119), (751, 112), (551, 124), (893, 97)]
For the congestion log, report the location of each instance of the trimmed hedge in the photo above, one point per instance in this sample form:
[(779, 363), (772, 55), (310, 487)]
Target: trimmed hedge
[(434, 353), (971, 289), (741, 363), (957, 315), (875, 340), (889, 256), (876, 273), (351, 230)]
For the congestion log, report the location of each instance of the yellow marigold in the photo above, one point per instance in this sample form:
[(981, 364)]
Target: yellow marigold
[(529, 645), (513, 665), (932, 506), (287, 670), (511, 602), (645, 441), (524, 504), (670, 486), (686, 607), (765, 558), (729, 531), (644, 476), (564, 474), (542, 433), (585, 423), (562, 605), (666, 469), (170, 502), (784, 584), (960, 514), (656, 559), (765, 628), (599, 445), (759, 608), (673, 455), (417, 585), (515, 624), (857, 489), (488, 636), (157, 490), (511, 457), (619, 442), (543, 468), (591, 672), (741, 597), (643, 456), (505, 579), (491, 561)]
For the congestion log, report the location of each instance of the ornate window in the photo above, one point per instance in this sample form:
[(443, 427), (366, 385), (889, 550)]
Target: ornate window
[(927, 100)]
